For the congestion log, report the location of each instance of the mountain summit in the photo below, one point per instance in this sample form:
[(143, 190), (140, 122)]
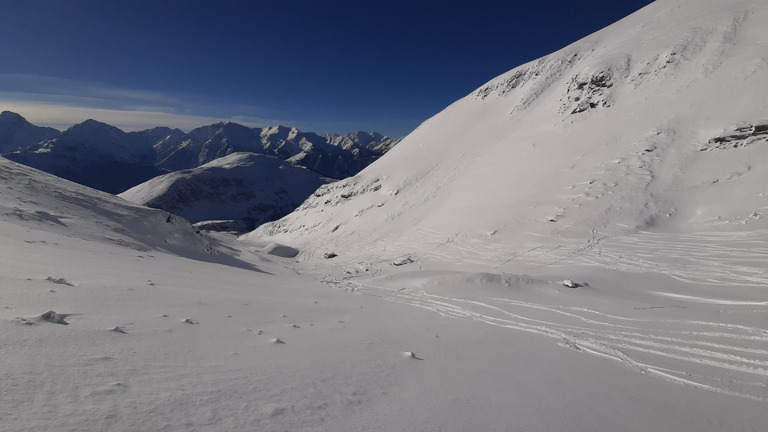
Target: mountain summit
[(17, 133)]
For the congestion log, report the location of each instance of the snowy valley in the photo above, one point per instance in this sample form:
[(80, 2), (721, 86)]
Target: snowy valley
[(578, 245)]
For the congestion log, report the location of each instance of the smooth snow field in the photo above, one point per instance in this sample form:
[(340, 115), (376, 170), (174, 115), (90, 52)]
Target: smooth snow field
[(581, 244)]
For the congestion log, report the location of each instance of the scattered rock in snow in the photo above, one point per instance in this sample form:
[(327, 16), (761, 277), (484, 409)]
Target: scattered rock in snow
[(411, 354), (741, 136), (593, 90), (295, 326), (119, 329), (571, 284), (402, 261), (329, 255), (190, 321), (277, 341), (50, 316), (60, 281), (55, 318)]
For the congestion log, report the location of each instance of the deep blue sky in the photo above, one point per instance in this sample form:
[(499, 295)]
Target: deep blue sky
[(324, 66)]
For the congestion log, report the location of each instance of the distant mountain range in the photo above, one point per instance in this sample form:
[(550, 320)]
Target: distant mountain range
[(16, 133), (106, 158), (237, 176)]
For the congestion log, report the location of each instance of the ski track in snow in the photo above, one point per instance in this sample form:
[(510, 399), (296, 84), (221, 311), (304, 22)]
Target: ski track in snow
[(713, 258), (726, 358)]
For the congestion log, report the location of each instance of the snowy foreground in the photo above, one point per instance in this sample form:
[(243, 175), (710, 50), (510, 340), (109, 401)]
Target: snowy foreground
[(162, 335)]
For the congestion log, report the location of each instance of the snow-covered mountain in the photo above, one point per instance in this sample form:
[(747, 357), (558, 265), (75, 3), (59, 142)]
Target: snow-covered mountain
[(627, 166), (106, 158), (249, 187), (17, 133), (332, 156), (95, 154), (656, 123)]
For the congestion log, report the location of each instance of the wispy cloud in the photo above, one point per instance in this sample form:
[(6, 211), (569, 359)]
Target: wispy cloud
[(61, 103)]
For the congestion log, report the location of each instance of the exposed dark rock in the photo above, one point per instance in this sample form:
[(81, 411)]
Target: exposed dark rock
[(741, 136)]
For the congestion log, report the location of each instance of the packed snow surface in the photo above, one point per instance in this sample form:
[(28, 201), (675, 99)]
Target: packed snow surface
[(579, 245)]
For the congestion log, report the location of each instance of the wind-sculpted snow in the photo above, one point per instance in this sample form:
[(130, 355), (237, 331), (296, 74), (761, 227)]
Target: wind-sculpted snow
[(74, 209)]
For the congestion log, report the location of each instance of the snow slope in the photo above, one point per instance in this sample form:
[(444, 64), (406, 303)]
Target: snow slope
[(34, 200), (627, 164), (615, 134), (116, 317), (244, 186)]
